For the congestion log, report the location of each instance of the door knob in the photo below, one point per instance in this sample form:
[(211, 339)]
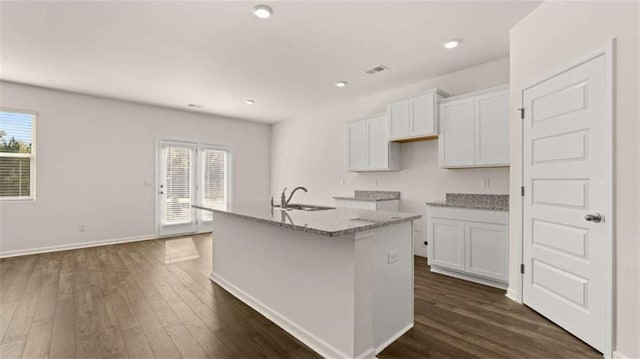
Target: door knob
[(593, 217)]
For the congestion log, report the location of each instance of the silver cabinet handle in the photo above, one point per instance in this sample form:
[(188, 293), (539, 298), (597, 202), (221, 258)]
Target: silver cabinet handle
[(593, 217)]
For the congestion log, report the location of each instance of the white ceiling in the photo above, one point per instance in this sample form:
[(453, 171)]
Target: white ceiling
[(218, 54)]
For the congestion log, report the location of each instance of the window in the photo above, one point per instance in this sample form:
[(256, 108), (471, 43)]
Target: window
[(17, 154), (214, 179)]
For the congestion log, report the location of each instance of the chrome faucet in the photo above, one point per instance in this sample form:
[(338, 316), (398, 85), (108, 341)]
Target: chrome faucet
[(284, 201)]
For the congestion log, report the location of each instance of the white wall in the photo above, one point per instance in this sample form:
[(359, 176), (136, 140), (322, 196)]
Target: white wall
[(559, 32), (311, 151), (93, 157)]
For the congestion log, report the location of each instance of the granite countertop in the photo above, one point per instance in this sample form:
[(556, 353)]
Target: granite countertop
[(495, 202), (372, 196), (331, 223)]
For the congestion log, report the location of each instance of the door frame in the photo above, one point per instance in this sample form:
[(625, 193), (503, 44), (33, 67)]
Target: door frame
[(515, 291), (156, 179)]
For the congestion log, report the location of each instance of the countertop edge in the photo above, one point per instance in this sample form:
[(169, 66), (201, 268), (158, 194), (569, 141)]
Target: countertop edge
[(313, 230), (467, 206), (366, 200)]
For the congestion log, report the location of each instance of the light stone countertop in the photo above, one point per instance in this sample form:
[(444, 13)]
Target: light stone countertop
[(494, 202), (372, 196), (331, 223)]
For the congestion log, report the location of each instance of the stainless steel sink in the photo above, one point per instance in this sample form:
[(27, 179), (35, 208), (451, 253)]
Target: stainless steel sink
[(306, 207)]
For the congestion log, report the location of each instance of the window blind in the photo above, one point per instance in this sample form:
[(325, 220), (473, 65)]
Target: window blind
[(177, 185), (17, 154), (214, 180)]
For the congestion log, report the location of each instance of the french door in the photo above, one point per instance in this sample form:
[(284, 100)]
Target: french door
[(189, 173)]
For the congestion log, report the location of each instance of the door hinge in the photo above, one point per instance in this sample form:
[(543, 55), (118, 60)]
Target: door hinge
[(521, 109), (522, 268), (522, 191)]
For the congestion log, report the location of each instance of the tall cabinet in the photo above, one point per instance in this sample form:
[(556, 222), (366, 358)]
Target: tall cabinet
[(474, 129)]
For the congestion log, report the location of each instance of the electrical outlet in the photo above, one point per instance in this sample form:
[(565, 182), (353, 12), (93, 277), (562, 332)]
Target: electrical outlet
[(82, 227), (392, 257), (484, 183)]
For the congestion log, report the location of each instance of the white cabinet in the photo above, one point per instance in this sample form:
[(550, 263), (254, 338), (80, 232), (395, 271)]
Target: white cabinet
[(369, 146), (457, 134), (358, 152), (447, 243), (470, 244), (486, 250), (474, 129), (392, 205), (415, 117)]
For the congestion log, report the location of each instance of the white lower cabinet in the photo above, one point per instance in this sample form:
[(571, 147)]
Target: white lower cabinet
[(470, 244)]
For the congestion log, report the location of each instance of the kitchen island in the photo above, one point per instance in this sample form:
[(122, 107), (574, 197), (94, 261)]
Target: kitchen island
[(339, 280)]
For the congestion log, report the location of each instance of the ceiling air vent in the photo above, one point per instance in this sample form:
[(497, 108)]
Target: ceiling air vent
[(377, 69)]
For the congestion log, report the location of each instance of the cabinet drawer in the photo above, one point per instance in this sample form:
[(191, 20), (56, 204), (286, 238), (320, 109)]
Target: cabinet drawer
[(469, 215)]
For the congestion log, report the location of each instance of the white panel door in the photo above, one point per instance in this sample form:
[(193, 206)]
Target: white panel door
[(423, 116), (487, 250), (492, 129), (447, 243), (457, 134), (176, 190), (378, 143), (399, 123), (358, 149), (566, 174)]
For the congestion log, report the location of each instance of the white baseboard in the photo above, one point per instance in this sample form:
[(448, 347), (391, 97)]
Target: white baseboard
[(618, 355), (511, 294), (318, 345), (394, 338), (470, 278), (66, 247)]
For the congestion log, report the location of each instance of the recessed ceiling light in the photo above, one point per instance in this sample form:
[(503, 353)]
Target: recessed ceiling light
[(342, 83), (193, 105), (262, 11), (249, 102), (451, 44)]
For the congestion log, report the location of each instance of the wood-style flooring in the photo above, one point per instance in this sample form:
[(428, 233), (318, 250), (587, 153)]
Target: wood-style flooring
[(154, 299)]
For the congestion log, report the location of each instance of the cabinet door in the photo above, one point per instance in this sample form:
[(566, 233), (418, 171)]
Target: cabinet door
[(446, 243), (358, 151), (457, 133), (378, 143), (492, 129), (487, 250), (398, 113), (423, 118)]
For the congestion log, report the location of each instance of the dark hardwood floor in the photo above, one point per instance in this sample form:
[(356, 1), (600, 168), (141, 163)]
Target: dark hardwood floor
[(154, 299)]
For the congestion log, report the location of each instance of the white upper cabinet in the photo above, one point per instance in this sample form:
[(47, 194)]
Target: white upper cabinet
[(358, 156), (398, 113), (369, 146), (492, 127), (457, 136), (474, 129), (415, 117)]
